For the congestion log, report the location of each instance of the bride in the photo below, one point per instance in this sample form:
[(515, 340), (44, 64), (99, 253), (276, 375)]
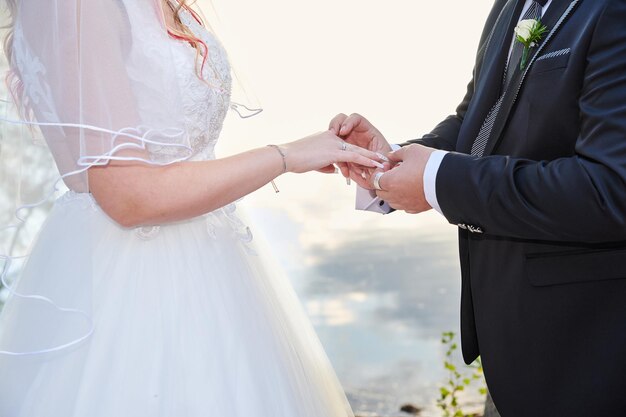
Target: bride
[(143, 295)]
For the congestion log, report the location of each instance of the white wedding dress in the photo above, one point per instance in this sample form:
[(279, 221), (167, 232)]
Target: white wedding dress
[(176, 320)]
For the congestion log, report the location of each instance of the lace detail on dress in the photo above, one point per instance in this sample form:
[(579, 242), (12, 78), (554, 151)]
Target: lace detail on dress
[(71, 197), (206, 102)]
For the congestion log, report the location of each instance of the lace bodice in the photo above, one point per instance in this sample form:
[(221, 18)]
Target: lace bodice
[(207, 101)]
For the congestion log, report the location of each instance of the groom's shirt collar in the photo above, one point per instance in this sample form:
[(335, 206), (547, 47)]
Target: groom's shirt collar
[(544, 4)]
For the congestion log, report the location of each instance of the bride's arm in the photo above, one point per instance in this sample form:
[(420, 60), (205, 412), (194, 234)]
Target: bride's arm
[(140, 194), (95, 80)]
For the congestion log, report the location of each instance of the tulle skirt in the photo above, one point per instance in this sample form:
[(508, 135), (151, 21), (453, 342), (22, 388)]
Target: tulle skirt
[(181, 320)]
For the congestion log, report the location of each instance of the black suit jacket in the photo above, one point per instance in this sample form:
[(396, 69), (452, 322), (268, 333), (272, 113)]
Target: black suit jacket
[(544, 265)]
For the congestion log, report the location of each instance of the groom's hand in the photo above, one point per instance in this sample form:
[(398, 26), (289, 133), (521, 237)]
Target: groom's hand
[(357, 130), (403, 185)]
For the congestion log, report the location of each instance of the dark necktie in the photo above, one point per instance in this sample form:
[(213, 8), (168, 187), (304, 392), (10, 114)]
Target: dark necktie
[(478, 148)]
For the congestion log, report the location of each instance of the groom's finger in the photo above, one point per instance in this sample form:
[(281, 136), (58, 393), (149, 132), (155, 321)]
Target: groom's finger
[(356, 169), (399, 155), (344, 169), (335, 124), (360, 181), (349, 124), (330, 169), (383, 182)]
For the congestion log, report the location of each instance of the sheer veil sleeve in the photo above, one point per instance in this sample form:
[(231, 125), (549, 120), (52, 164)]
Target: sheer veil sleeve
[(97, 80)]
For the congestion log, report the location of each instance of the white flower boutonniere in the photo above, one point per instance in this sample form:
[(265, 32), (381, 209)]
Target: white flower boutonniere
[(529, 32)]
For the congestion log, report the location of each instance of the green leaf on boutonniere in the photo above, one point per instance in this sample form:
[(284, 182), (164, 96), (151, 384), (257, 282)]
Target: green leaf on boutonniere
[(529, 32)]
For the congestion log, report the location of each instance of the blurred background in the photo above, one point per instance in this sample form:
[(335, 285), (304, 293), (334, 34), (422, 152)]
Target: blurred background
[(380, 290)]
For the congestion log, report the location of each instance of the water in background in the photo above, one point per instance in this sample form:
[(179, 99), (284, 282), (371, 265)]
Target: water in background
[(380, 290)]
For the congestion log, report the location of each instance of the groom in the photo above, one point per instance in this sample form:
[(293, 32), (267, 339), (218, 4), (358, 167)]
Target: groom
[(532, 170)]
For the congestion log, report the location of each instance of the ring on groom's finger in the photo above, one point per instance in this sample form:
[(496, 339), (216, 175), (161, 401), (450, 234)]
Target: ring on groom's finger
[(377, 178)]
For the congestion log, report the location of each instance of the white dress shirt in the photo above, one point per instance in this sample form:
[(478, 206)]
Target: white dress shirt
[(434, 162)]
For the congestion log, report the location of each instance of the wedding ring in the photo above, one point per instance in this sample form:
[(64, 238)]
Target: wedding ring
[(377, 178), (344, 146)]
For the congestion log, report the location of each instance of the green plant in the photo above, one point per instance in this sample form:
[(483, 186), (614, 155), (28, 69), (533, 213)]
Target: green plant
[(459, 381)]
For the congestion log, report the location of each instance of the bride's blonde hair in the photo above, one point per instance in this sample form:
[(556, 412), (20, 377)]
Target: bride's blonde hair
[(180, 31)]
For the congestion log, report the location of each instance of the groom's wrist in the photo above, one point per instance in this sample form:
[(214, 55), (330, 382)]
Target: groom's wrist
[(430, 178)]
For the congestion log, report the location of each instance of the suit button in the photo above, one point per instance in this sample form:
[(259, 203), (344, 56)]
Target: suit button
[(462, 226), (475, 229)]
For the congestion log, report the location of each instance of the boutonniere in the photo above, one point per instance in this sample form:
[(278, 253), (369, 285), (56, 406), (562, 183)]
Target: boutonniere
[(529, 32)]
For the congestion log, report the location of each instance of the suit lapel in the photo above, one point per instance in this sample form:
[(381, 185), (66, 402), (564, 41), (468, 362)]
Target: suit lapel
[(489, 72), (556, 15), (495, 54)]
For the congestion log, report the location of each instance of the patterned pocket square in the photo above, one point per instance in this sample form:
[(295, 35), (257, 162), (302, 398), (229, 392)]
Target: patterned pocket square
[(554, 54)]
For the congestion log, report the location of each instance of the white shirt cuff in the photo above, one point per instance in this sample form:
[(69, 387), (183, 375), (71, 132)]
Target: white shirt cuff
[(430, 178), (395, 147)]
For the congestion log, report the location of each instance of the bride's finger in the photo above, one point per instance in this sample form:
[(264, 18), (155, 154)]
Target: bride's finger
[(358, 158), (375, 156)]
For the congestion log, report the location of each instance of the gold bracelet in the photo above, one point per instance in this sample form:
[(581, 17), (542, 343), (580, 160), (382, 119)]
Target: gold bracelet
[(282, 155)]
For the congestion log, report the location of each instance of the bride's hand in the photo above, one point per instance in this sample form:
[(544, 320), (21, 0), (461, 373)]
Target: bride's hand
[(357, 130), (323, 149)]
